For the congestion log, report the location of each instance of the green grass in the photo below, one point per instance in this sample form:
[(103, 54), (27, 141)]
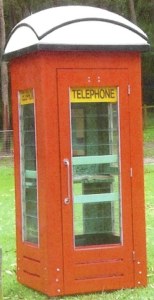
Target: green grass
[(149, 134), (14, 291)]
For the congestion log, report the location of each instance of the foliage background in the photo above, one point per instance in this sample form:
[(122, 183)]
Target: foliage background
[(16, 10)]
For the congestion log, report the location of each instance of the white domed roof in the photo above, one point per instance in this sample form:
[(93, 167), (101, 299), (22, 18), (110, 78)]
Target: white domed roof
[(75, 27)]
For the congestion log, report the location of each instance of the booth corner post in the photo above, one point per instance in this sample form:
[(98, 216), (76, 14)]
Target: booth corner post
[(77, 119)]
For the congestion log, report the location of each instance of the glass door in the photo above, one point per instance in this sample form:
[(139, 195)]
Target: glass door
[(96, 169)]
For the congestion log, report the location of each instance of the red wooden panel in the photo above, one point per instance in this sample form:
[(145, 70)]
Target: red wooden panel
[(31, 266), (97, 284), (99, 270), (30, 280), (138, 206)]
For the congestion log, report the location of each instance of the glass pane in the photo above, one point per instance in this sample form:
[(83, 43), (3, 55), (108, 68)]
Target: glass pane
[(28, 173), (96, 183)]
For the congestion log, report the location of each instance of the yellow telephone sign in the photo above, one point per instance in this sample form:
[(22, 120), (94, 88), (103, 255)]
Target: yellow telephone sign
[(26, 97), (93, 94)]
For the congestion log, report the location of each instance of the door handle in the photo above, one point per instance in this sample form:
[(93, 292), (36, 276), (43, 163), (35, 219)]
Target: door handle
[(67, 164)]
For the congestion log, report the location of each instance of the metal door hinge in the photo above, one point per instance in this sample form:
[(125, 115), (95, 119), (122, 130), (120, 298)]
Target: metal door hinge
[(129, 89)]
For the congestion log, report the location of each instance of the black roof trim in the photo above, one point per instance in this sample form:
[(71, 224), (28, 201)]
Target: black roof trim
[(94, 19), (65, 47), (15, 28), (26, 25)]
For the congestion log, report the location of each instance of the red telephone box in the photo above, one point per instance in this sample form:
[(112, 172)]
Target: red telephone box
[(77, 118)]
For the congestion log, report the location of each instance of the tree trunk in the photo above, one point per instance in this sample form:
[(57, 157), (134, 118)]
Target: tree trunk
[(4, 82), (132, 11)]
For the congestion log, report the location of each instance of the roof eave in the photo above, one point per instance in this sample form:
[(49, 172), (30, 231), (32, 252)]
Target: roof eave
[(67, 47)]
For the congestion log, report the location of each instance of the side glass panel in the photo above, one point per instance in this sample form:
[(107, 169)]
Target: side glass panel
[(96, 172), (28, 169)]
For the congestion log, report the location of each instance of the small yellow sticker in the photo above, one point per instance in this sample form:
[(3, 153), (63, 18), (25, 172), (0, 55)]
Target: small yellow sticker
[(93, 94), (26, 96)]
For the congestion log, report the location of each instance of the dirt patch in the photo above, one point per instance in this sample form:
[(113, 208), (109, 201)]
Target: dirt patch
[(149, 151), (149, 160)]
